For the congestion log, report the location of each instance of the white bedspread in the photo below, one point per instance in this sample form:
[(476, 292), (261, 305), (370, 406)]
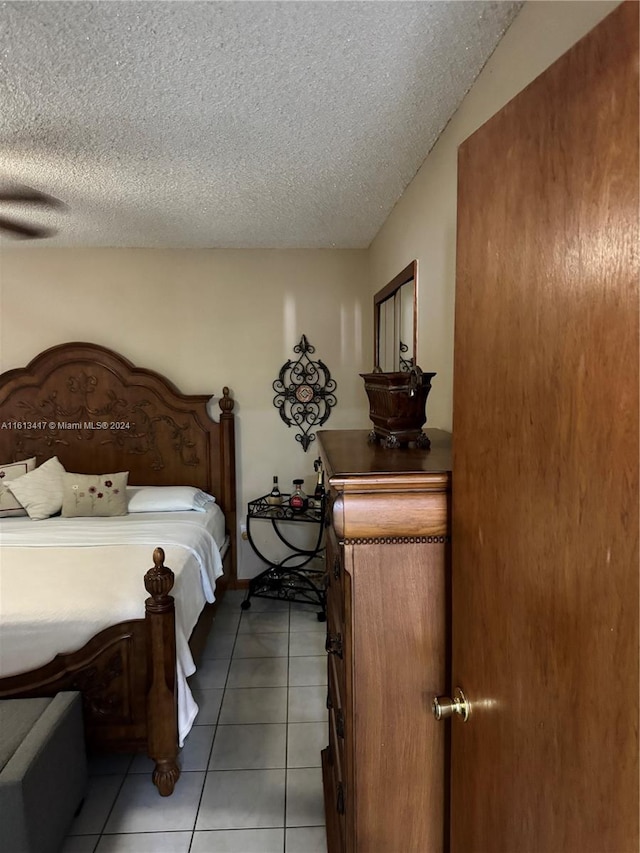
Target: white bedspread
[(62, 580)]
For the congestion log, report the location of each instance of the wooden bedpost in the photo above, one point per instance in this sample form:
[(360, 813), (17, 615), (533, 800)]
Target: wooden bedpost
[(228, 467), (162, 701)]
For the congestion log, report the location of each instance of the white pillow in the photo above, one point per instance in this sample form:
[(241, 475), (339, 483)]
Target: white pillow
[(167, 499), (40, 491), (8, 504)]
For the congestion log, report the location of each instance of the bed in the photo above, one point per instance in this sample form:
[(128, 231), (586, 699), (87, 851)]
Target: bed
[(95, 412)]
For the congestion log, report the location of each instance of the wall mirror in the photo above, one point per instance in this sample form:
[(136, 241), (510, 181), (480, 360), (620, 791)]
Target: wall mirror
[(397, 389), (395, 319)]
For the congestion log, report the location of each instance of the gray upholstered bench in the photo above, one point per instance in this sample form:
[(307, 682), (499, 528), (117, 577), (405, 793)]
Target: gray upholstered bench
[(43, 771)]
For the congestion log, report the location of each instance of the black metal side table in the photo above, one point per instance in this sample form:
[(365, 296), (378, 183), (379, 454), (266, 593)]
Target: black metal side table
[(291, 578)]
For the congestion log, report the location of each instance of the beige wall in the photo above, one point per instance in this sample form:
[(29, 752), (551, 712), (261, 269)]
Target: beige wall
[(204, 319), (213, 318), (423, 223)]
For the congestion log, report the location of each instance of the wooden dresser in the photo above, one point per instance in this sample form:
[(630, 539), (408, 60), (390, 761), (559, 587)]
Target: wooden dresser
[(388, 579)]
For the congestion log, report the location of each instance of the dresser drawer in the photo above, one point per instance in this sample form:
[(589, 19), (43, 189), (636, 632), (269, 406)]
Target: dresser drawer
[(336, 709), (336, 681), (336, 743), (338, 800), (334, 805), (335, 571), (335, 645)]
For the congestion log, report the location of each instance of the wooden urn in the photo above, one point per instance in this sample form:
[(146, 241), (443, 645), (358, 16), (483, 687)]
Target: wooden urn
[(397, 406)]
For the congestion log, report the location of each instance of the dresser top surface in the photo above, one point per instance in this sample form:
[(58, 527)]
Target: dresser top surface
[(350, 454)]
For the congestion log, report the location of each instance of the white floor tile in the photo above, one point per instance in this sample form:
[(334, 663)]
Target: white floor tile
[(305, 742), (209, 702), (218, 646), (242, 799), (254, 705), (270, 645), (304, 605), (307, 671), (139, 807), (249, 747), (210, 673), (147, 842), (307, 644), (258, 672), (80, 844), (260, 605), (306, 621), (232, 599), (196, 750), (226, 621), (307, 704), (142, 764), (108, 765), (306, 839), (263, 622), (101, 795), (239, 841), (304, 797)]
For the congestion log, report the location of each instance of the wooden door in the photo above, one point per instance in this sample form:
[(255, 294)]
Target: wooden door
[(545, 465)]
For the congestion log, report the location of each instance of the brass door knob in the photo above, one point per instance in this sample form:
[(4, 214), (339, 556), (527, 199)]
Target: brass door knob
[(444, 707)]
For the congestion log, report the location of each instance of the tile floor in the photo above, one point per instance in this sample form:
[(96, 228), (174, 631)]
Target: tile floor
[(251, 779)]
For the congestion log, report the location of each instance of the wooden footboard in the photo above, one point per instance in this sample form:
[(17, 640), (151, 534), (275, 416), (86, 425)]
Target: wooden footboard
[(127, 677)]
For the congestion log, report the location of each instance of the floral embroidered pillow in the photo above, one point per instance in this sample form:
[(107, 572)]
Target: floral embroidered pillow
[(94, 494), (9, 505)]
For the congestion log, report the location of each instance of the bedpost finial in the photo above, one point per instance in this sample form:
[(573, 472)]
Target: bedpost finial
[(158, 581), (226, 402)]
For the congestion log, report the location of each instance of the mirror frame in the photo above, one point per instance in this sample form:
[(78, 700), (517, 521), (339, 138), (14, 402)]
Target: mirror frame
[(408, 273)]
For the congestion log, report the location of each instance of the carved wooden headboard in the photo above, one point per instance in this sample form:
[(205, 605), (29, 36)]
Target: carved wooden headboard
[(98, 413)]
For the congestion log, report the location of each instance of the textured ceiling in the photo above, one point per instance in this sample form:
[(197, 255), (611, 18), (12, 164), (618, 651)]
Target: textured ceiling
[(229, 124)]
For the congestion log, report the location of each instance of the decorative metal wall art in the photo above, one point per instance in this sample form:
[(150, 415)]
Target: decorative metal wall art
[(304, 393)]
